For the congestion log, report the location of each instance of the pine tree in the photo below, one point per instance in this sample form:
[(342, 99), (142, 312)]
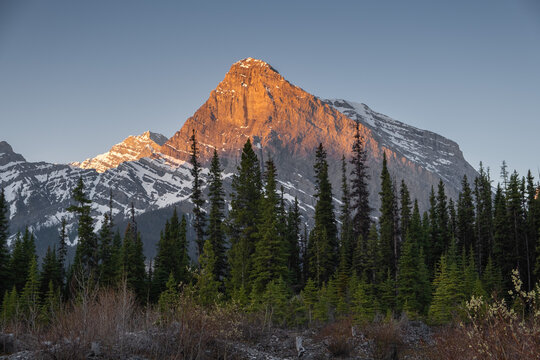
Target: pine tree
[(207, 285), (447, 293), (465, 216), (24, 251), (443, 221), (270, 257), (309, 298), (87, 252), (405, 208), (243, 219), (62, 247), (50, 272), (389, 246), (503, 256), (322, 246), (347, 236), (4, 251), (10, 306), (215, 220), (30, 294), (51, 303), (108, 269), (413, 281), (199, 217), (168, 299), (484, 217), (133, 266), (171, 255), (364, 304), (275, 302), (359, 187), (293, 249), (516, 220)]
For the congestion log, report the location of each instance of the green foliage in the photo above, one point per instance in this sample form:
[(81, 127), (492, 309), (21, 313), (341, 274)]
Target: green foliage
[(364, 303), (207, 287), (216, 233), (87, 252), (10, 305), (448, 294), (243, 219), (199, 217), (171, 255), (359, 187), (30, 297), (310, 298), (133, 267), (323, 247), (4, 251), (51, 272), (275, 301), (24, 251), (168, 300), (270, 257), (387, 221)]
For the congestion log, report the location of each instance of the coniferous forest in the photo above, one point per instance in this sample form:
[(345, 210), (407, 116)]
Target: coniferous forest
[(474, 261)]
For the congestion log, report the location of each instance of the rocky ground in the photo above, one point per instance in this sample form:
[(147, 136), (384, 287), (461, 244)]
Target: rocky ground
[(399, 340)]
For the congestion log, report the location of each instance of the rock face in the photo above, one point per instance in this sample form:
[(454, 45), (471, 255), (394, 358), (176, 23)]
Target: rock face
[(131, 149), (286, 123), (253, 101)]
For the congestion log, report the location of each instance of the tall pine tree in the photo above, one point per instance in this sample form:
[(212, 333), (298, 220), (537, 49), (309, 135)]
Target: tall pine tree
[(359, 187), (216, 234), (199, 217)]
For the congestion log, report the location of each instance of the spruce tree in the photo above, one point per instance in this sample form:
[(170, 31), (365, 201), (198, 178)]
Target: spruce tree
[(516, 219), (465, 216), (215, 220), (389, 245), (270, 257), (503, 257), (207, 285), (405, 208), (24, 250), (359, 187), (30, 297), (293, 246), (243, 219), (199, 217), (484, 217), (108, 269), (50, 272), (322, 246), (4, 251), (133, 266), (87, 252), (347, 235), (62, 247), (171, 257)]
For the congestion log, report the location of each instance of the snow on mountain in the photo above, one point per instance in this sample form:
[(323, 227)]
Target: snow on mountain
[(130, 149)]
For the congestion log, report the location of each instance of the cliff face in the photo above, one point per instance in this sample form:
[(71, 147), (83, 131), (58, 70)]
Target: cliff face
[(131, 149), (286, 123), (253, 101)]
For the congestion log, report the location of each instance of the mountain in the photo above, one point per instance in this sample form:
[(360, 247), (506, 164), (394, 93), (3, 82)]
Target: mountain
[(132, 148), (253, 101)]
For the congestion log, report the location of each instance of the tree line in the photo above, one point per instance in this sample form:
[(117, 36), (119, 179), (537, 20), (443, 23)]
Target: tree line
[(261, 255)]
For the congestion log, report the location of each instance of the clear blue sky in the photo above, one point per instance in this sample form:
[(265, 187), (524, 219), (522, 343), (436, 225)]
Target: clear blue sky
[(78, 76)]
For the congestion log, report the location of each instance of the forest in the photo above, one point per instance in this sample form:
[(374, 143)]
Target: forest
[(469, 265)]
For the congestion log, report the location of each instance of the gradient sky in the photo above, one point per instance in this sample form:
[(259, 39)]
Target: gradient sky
[(77, 77)]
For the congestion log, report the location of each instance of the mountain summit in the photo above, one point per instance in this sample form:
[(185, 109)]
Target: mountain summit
[(253, 101), (130, 149)]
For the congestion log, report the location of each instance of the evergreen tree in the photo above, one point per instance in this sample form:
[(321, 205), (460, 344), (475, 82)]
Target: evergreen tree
[(322, 246), (243, 219), (364, 304), (24, 250), (275, 302), (516, 219), (50, 272), (293, 249), (108, 268), (62, 247), (207, 285), (10, 305), (87, 252), (309, 297), (270, 257), (405, 208), (30, 295), (133, 267), (447, 293), (199, 217), (4, 251), (484, 217), (503, 256), (465, 216), (413, 280), (359, 187), (171, 255), (347, 236), (388, 240), (444, 235), (215, 221)]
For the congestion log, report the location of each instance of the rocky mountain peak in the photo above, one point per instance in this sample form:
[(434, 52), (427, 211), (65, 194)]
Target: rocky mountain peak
[(8, 155), (130, 149)]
